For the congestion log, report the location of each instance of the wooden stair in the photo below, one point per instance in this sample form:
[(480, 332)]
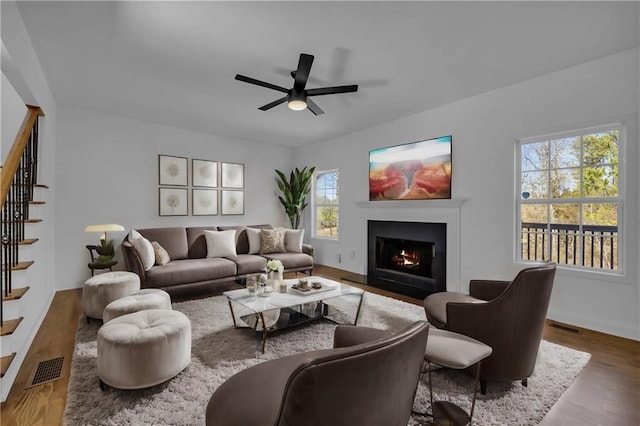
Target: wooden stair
[(15, 294), (20, 161), (10, 326), (5, 362), (27, 241), (21, 266)]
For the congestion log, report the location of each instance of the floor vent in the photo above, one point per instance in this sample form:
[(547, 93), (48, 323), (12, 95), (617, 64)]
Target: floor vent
[(565, 328), (47, 371)]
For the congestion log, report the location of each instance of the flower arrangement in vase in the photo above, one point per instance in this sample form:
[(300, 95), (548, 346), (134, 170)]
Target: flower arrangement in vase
[(274, 269)]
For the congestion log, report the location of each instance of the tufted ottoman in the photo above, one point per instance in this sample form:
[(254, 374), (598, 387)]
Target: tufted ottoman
[(149, 298), (102, 289), (143, 349)]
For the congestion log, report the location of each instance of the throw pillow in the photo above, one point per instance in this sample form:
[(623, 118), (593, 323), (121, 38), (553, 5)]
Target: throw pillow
[(221, 243), (253, 235), (293, 240), (144, 249), (272, 241), (162, 257)]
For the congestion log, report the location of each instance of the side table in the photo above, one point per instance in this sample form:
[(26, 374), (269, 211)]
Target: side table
[(96, 265)]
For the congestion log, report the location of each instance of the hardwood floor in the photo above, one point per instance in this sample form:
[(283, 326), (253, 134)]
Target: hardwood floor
[(607, 391)]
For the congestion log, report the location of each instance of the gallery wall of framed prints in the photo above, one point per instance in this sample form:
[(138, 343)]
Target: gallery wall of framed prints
[(216, 187)]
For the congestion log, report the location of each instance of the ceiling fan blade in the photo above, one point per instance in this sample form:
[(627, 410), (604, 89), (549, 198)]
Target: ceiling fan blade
[(315, 109), (302, 73), (272, 104), (331, 90), (261, 83)]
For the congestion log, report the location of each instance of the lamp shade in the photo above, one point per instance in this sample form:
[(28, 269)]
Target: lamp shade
[(109, 227)]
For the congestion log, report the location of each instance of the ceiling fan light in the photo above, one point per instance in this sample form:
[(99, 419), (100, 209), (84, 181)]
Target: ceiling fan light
[(297, 105)]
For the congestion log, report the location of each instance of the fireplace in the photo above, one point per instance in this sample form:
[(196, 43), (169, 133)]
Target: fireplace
[(407, 257)]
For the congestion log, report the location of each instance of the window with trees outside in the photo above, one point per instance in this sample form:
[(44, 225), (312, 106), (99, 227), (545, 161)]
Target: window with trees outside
[(569, 203), (326, 200)]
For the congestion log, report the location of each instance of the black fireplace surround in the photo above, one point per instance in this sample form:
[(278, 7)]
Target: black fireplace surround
[(407, 257)]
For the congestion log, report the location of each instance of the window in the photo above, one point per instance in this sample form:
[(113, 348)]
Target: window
[(326, 204), (569, 201)]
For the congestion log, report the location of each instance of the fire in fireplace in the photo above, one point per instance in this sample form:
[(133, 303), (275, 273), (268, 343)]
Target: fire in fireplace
[(408, 256)]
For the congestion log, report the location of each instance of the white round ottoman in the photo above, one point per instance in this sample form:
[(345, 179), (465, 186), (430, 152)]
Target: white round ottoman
[(143, 349), (102, 289), (149, 298)]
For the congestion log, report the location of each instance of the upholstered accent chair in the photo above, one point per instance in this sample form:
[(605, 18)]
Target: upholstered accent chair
[(509, 316), (369, 378)]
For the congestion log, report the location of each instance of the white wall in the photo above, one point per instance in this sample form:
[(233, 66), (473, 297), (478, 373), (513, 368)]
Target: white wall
[(12, 113), (484, 130), (22, 70), (107, 172)]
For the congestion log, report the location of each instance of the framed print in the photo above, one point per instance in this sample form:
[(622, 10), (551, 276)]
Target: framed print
[(204, 173), (232, 175), (172, 170), (232, 202), (173, 201), (204, 202)]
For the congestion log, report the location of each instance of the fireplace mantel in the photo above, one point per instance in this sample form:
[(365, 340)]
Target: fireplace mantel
[(448, 203)]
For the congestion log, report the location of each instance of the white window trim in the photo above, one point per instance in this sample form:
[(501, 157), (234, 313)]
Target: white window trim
[(314, 206), (622, 126)]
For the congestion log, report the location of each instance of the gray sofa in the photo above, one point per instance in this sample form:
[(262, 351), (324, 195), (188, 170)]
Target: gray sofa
[(190, 272)]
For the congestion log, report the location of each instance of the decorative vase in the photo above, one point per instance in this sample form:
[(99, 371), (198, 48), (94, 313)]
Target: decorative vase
[(275, 277)]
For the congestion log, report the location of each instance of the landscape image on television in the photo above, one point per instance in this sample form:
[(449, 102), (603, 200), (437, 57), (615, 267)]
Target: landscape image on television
[(412, 171)]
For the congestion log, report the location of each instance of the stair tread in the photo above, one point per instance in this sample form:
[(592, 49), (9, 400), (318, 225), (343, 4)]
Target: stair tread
[(35, 185), (33, 221), (5, 362), (15, 294), (27, 241), (32, 202), (20, 266), (10, 326)]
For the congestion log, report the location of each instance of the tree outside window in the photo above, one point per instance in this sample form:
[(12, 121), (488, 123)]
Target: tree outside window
[(326, 204), (569, 200)]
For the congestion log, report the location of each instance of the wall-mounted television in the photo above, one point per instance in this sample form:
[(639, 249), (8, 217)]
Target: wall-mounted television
[(412, 171)]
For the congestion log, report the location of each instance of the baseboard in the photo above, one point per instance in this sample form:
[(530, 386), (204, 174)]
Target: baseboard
[(627, 331)]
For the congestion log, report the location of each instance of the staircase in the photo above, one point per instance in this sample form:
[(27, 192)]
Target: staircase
[(19, 176)]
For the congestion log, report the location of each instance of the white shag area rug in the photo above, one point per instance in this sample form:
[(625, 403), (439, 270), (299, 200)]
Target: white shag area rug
[(219, 351)]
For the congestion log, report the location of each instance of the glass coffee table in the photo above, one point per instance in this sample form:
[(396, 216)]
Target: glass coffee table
[(283, 310)]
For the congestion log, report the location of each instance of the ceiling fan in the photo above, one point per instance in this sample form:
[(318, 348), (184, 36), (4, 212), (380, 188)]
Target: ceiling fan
[(298, 97)]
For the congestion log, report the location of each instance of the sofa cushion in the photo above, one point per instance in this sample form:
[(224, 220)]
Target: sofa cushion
[(144, 248), (242, 241), (272, 241), (292, 260), (190, 271), (249, 263), (174, 240), (220, 243), (253, 238), (161, 255), (293, 240), (196, 241)]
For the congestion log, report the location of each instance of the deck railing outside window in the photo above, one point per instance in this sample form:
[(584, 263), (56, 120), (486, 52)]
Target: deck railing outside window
[(595, 246)]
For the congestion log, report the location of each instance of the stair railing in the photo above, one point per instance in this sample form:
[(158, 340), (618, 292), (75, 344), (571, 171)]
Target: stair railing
[(19, 175)]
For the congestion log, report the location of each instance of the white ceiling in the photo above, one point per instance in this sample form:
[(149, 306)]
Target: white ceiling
[(175, 62)]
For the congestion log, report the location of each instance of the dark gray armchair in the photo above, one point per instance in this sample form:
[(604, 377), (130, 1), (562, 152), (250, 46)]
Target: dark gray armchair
[(509, 316), (369, 378)]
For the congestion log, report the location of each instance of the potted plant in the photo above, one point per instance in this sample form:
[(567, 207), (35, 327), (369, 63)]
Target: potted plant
[(294, 192), (105, 251)]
